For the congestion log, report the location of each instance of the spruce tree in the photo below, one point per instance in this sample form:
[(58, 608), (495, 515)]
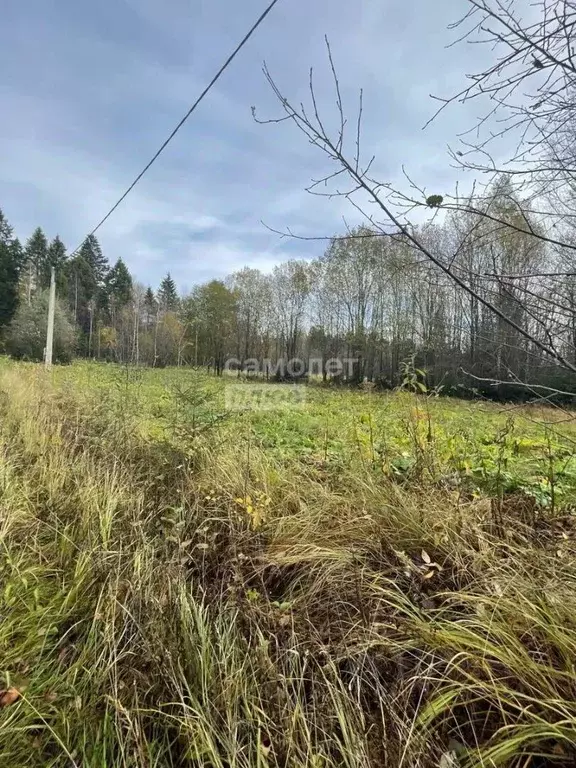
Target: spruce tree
[(87, 294), (91, 252), (10, 265), (36, 258), (81, 286), (17, 252), (56, 257), (150, 300), (119, 284), (167, 294), (5, 229)]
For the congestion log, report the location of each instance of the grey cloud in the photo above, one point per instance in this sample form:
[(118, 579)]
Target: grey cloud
[(90, 92)]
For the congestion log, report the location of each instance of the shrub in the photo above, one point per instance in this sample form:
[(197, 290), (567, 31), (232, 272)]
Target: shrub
[(26, 335)]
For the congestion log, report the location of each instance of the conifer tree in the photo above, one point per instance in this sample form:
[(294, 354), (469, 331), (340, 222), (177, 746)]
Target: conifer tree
[(91, 252), (10, 265), (119, 284), (36, 257), (168, 294), (55, 257), (81, 285)]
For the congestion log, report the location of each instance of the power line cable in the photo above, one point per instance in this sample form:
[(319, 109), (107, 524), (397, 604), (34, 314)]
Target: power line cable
[(212, 82)]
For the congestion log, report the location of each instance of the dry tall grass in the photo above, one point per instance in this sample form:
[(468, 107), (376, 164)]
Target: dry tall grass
[(204, 608)]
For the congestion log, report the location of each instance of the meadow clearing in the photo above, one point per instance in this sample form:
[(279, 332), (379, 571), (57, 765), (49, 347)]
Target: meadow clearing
[(356, 579)]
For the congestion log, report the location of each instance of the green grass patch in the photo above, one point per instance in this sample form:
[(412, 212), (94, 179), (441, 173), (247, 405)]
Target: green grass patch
[(363, 580)]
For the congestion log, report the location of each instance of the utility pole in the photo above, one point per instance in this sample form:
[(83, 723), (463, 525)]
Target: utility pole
[(91, 312), (50, 331)]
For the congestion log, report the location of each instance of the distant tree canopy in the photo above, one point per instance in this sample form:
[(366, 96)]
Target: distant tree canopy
[(11, 259), (367, 299), (26, 335)]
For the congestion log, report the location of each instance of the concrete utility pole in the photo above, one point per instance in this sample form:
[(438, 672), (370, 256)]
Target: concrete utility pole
[(50, 331)]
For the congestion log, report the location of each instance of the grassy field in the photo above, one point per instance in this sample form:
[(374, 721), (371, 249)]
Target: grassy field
[(355, 579)]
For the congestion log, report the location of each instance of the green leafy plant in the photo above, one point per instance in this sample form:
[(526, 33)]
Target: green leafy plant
[(413, 379)]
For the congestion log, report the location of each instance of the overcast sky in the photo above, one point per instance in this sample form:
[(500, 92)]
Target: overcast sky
[(90, 90)]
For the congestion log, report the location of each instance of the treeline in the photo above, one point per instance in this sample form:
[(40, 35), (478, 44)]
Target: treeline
[(370, 299), (102, 313)]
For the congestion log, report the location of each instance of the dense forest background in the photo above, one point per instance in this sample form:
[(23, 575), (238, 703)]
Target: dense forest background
[(368, 297)]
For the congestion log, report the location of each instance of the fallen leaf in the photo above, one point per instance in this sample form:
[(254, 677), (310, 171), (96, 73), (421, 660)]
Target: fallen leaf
[(428, 574), (9, 697), (425, 556)]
